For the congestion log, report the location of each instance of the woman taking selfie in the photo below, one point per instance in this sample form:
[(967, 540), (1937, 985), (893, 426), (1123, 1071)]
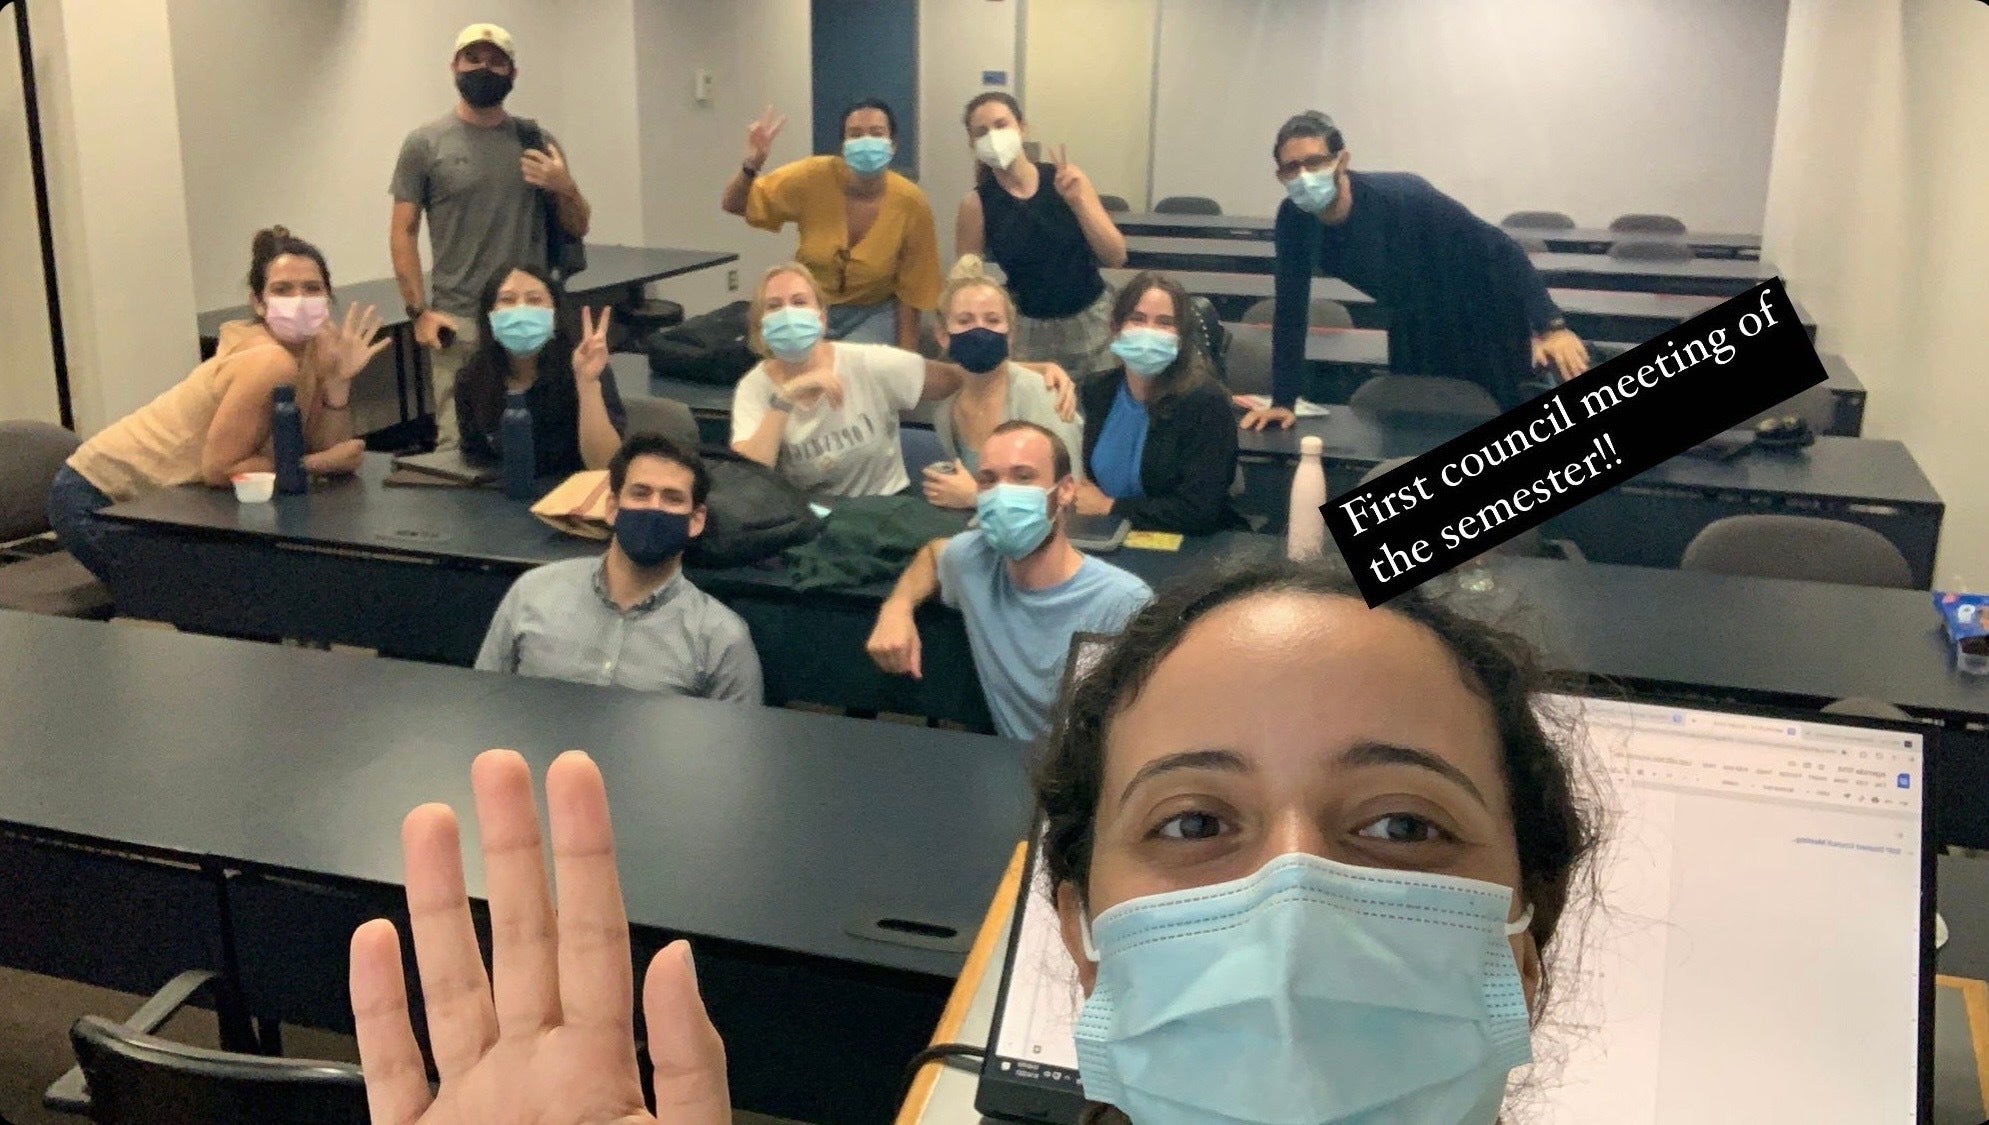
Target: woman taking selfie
[(1043, 224), (1361, 874)]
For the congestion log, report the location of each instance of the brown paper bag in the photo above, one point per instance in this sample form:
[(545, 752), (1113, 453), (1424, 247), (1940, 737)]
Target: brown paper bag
[(579, 506)]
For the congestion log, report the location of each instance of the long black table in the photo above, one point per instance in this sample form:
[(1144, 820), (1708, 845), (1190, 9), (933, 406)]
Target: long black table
[(1593, 314), (612, 271), (830, 872), (1712, 277), (1576, 240)]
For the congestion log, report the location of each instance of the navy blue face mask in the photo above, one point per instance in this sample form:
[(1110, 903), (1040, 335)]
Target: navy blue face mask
[(979, 350), (651, 536)]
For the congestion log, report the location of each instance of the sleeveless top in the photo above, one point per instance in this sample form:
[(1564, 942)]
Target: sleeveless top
[(1037, 242)]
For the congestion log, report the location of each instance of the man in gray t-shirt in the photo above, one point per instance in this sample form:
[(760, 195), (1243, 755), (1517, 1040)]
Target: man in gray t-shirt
[(484, 194)]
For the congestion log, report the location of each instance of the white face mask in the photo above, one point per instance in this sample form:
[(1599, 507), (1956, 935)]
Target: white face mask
[(998, 148)]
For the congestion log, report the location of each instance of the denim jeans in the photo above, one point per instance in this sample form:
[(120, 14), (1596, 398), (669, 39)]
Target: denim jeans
[(864, 324), (73, 504)]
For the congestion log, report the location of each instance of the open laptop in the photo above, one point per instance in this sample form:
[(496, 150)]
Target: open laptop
[(1763, 950)]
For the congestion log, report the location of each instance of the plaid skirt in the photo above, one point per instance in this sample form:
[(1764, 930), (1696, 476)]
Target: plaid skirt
[(1080, 343)]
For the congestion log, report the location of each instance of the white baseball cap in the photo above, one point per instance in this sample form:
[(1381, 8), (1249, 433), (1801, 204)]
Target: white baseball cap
[(487, 33)]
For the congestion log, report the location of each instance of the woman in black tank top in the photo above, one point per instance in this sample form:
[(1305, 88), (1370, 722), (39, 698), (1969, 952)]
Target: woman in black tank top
[(1043, 224)]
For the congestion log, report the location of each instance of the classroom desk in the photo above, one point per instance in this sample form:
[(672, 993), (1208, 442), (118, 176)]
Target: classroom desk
[(1593, 314), (774, 839), (1577, 240), (944, 1092), (1365, 351), (610, 271), (1711, 277)]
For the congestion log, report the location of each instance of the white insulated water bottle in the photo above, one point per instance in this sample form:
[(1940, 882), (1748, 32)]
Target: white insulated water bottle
[(1305, 526)]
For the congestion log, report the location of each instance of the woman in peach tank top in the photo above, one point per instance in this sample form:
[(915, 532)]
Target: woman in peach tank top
[(216, 422)]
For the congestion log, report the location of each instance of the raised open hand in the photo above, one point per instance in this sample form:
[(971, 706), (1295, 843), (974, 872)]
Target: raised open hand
[(346, 348), (549, 1038), (760, 137), (590, 356)]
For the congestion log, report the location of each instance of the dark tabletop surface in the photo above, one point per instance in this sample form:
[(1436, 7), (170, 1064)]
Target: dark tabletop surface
[(1261, 226), (1750, 272), (608, 267), (762, 825)]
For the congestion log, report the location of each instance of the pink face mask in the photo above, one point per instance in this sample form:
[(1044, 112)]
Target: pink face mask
[(294, 320)]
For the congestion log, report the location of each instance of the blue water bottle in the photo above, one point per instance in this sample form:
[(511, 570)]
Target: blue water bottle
[(286, 430), (520, 463)]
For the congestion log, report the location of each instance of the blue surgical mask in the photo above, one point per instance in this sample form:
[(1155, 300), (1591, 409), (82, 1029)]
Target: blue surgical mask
[(791, 332), (651, 536), (1147, 351), (867, 155), (1313, 191), (1308, 992), (522, 329), (979, 350), (1014, 517)]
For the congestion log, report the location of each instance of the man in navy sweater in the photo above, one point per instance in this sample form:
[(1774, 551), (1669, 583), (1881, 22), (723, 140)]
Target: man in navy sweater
[(1463, 300)]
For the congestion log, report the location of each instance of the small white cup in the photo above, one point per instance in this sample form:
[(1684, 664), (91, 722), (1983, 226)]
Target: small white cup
[(254, 488)]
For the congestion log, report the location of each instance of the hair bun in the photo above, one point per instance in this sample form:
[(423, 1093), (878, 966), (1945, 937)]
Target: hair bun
[(970, 266), (267, 240)]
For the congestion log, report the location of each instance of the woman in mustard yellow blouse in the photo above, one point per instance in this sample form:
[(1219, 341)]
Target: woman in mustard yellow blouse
[(866, 232)]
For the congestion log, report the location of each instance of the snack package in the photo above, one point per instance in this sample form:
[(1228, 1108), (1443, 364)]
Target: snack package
[(1966, 618)]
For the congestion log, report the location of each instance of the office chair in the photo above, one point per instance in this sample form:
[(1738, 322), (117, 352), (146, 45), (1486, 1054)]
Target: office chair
[(1530, 243), (1807, 548), (1538, 220), (1647, 224), (126, 1075), (1424, 394), (1322, 312), (921, 448), (1530, 544), (36, 576), (666, 416), (1650, 250), (1247, 368), (1187, 205), (1210, 335), (1114, 204)]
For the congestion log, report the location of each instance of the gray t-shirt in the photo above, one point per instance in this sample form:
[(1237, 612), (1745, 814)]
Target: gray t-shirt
[(1029, 400), (482, 215)]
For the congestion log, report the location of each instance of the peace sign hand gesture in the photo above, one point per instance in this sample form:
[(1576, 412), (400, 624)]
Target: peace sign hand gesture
[(1071, 181), (760, 137), (591, 356)]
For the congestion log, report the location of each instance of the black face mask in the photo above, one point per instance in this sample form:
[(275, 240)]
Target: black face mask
[(979, 350), (483, 88)]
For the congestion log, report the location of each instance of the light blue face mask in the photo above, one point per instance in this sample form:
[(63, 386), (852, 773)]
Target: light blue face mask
[(1308, 992), (1014, 517), (1314, 191), (522, 329), (867, 155), (1147, 351), (791, 332)]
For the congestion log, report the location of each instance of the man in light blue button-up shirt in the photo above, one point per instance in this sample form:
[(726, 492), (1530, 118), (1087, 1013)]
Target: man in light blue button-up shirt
[(631, 618)]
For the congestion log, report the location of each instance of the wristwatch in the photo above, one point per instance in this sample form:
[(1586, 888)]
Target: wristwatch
[(749, 170), (414, 311), (775, 402)]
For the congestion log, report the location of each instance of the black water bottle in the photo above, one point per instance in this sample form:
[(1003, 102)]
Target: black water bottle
[(286, 430), (520, 463)]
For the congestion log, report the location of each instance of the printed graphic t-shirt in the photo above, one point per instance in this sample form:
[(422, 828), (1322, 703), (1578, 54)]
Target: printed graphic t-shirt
[(848, 451)]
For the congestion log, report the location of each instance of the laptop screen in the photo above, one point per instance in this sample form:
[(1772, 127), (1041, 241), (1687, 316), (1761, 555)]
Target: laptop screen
[(1761, 949)]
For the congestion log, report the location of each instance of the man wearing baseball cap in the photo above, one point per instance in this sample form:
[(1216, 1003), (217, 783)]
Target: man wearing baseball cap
[(487, 181)]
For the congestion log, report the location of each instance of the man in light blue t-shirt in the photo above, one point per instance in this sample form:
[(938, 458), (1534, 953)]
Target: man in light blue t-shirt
[(1024, 590)]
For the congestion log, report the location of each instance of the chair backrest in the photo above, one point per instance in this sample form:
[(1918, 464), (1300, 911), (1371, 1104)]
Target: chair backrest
[(1247, 368), (139, 1079), (1188, 205), (1809, 548), (1326, 313), (1261, 312), (666, 416), (1532, 244), (30, 455), (1424, 394), (921, 447), (1539, 220), (1860, 707), (1817, 406), (1647, 224), (1114, 204), (1210, 335), (1650, 250)]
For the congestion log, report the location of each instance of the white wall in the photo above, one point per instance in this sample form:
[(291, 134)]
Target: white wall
[(757, 51), (1891, 263), (958, 40), (27, 375), (1590, 108), (1088, 70)]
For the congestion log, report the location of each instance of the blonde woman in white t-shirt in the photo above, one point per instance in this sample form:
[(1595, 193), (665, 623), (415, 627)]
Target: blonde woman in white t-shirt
[(825, 414)]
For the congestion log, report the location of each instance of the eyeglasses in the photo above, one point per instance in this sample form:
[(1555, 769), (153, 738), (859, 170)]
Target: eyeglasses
[(1318, 162)]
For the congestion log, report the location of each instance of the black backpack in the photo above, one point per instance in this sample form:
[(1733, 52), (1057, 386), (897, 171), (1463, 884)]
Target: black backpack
[(708, 348), (751, 513), (565, 254)]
